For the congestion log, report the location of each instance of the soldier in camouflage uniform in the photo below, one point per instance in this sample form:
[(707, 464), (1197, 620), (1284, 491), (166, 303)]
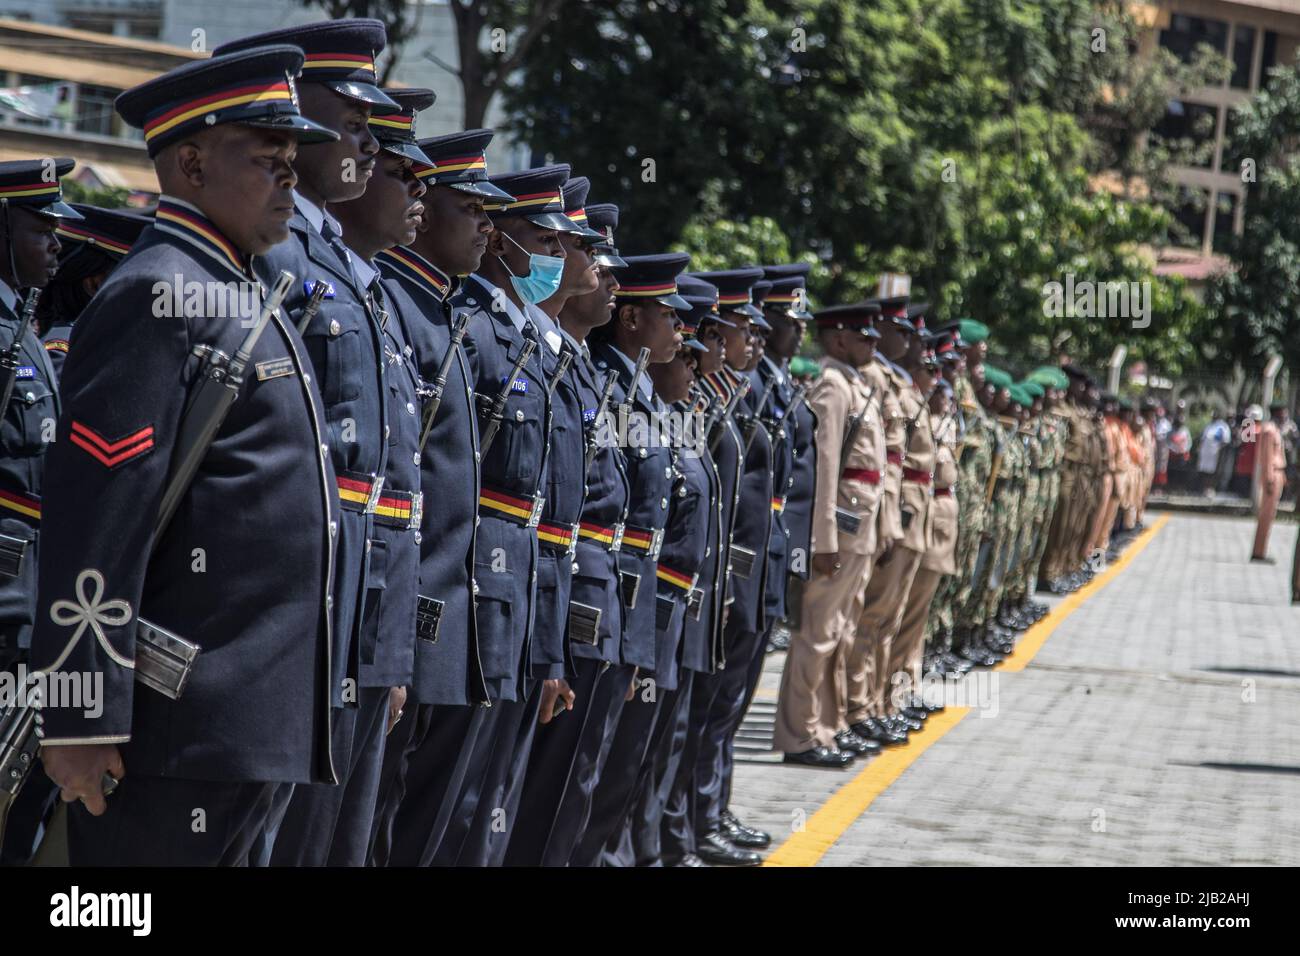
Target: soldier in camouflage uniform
[(975, 459), (990, 438)]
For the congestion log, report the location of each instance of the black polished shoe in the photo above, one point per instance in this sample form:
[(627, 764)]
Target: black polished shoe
[(956, 663), (849, 742), (919, 714), (872, 729), (716, 850), (690, 859), (818, 757), (744, 836), (902, 719)]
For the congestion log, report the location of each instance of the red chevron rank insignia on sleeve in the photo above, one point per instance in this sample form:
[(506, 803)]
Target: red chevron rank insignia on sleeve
[(110, 454)]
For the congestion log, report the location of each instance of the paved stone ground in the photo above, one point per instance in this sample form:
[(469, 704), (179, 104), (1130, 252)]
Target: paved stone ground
[(1158, 725)]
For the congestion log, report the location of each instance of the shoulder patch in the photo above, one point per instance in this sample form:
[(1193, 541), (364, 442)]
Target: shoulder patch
[(110, 454)]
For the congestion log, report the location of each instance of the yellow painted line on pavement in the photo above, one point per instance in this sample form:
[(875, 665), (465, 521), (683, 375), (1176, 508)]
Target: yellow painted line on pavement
[(807, 846), (1034, 638)]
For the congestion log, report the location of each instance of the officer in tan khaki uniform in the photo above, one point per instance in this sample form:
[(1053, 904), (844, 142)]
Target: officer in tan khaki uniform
[(868, 714), (850, 461), (940, 558)]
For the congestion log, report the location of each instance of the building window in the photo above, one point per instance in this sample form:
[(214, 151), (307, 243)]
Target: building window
[(1189, 128), (1225, 207), (1243, 50), (1185, 33), (1269, 59), (1189, 217), (1230, 162), (95, 109)]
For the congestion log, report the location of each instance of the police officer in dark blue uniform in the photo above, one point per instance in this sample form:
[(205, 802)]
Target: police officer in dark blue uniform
[(750, 540), (384, 217), (641, 747), (644, 317), (590, 622), (522, 267), (345, 346), (427, 752), (717, 386), (31, 210), (254, 714), (91, 249), (785, 308)]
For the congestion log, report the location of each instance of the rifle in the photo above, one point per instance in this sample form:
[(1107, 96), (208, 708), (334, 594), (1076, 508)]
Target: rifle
[(742, 388), (498, 410), (13, 355), (433, 395), (642, 362), (163, 660), (19, 746), (220, 380), (591, 437), (751, 424), (318, 291), (854, 424), (562, 367), (911, 425), (997, 467), (795, 399)]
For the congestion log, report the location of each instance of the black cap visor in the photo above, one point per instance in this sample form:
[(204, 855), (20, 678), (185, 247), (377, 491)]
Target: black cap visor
[(380, 102), (409, 150), (479, 187), (55, 210), (553, 220), (299, 127)]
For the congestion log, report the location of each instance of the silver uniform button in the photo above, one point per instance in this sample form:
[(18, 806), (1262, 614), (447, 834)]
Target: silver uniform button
[(418, 537), (406, 350), (335, 328), (306, 379), (668, 472), (324, 449), (410, 408), (386, 433), (416, 457), (334, 529), (519, 415), (663, 502)]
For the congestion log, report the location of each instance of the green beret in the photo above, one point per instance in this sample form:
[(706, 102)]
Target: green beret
[(972, 331), (1032, 389), (799, 365), (1020, 396), (1049, 376), (996, 377)]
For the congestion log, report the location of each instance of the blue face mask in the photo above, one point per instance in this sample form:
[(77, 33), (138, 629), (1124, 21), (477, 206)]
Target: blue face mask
[(543, 279)]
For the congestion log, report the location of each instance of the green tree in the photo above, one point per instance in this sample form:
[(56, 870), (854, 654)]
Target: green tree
[(1257, 302)]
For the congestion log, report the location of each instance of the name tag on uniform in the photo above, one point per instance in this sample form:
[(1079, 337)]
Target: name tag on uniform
[(309, 283), (26, 371), (274, 368), (519, 385)]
